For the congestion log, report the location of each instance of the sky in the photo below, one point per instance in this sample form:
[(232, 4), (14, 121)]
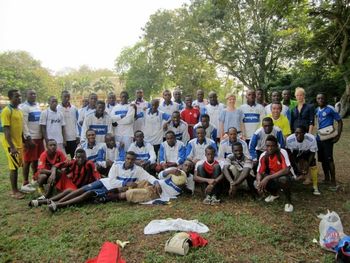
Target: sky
[(70, 33)]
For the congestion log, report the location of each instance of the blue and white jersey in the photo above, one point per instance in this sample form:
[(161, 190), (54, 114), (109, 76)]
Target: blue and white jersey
[(168, 109), (124, 115), (31, 117), (326, 117), (101, 126), (104, 153), (90, 150), (118, 176), (181, 131), (308, 144), (109, 108), (210, 132), (285, 111), (70, 115), (144, 153), (196, 150), (153, 126), (83, 112), (175, 154), (252, 117), (181, 105), (225, 148), (257, 143), (199, 105), (164, 175), (141, 107), (214, 113)]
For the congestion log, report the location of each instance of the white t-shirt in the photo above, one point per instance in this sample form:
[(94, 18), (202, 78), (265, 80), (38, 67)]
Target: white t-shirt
[(214, 113), (124, 115), (153, 128), (54, 121), (168, 109), (70, 115), (252, 117), (308, 144)]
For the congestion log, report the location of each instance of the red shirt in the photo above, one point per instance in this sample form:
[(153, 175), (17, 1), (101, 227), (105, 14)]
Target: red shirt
[(275, 163), (209, 167), (45, 162), (191, 117)]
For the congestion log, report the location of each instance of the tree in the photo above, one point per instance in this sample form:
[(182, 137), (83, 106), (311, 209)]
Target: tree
[(104, 84)]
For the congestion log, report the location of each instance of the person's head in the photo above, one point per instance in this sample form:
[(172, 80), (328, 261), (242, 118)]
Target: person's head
[(100, 108), (300, 95), (176, 118), (267, 125), (276, 108), (91, 136), (286, 95), (200, 131), (232, 134), (65, 97), (213, 98), (177, 95), (188, 166), (110, 140), (14, 97), (124, 97), (80, 156), (321, 99), (200, 95), (230, 99), (129, 159), (51, 146), (139, 94), (53, 103), (31, 95), (111, 98), (138, 137), (170, 138), (205, 120), (250, 96), (167, 95), (210, 153), (300, 133), (92, 100), (154, 104), (260, 95), (188, 101), (85, 102), (275, 96), (271, 144), (237, 150)]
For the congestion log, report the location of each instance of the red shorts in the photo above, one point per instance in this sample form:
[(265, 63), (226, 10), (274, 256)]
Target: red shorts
[(33, 154), (65, 183)]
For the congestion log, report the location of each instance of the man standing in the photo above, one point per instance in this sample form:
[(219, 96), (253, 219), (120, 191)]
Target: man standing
[(276, 98), (111, 101), (167, 105), (200, 102), (141, 107), (12, 122), (190, 115), (287, 95), (90, 108)]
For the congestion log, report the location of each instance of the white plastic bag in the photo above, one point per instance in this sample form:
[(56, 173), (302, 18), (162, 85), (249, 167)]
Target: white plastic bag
[(331, 230)]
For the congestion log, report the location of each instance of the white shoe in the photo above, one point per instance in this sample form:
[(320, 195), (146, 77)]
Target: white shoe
[(288, 208), (27, 188), (271, 198), (316, 192)]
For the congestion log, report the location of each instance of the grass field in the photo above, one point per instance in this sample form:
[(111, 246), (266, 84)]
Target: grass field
[(241, 230)]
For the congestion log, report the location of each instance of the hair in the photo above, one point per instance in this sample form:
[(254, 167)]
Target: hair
[(92, 94), (232, 128), (200, 127), (302, 128), (175, 112), (189, 96), (271, 138), (299, 89), (138, 131), (109, 135), (111, 94), (205, 116), (65, 92), (229, 95), (132, 153), (50, 98), (124, 92), (269, 119), (166, 91), (101, 102), (80, 150), (51, 140), (170, 132), (11, 93), (277, 103), (88, 130), (210, 148)]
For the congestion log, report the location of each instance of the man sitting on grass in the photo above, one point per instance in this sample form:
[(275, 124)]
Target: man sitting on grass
[(274, 173)]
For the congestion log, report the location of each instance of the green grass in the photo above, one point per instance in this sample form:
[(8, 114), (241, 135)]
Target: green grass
[(241, 230)]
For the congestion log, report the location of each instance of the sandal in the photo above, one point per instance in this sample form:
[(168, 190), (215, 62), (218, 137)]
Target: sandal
[(17, 195), (52, 207)]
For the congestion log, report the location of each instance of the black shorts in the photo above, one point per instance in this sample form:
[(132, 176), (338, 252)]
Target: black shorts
[(70, 148), (325, 150)]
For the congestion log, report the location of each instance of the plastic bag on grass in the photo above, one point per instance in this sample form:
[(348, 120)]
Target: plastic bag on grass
[(331, 230)]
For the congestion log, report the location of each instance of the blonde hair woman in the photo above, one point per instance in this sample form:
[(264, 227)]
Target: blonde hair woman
[(303, 113)]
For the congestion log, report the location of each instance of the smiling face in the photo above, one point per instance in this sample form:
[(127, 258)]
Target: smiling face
[(129, 161), (232, 134), (237, 151), (91, 136)]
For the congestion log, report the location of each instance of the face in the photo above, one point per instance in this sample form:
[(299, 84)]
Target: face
[(268, 126), (213, 98), (155, 105), (200, 95), (299, 134), (276, 110), (139, 137), (110, 141), (187, 166), (65, 97), (286, 95), (31, 96), (111, 99), (91, 136), (271, 147), (51, 146), (251, 96), (124, 97), (85, 102), (16, 99), (210, 155), (167, 96), (170, 139), (81, 158), (321, 100), (276, 96), (205, 122), (53, 103), (231, 100), (129, 161), (100, 109), (177, 95), (232, 135), (175, 117), (259, 95), (200, 134), (237, 151), (299, 95), (92, 100), (188, 102), (139, 94)]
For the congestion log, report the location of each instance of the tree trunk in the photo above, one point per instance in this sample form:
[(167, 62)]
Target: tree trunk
[(345, 98)]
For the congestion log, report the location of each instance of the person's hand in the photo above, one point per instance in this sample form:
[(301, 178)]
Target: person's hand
[(233, 189), (209, 189), (158, 188), (165, 126), (211, 181), (29, 144), (263, 183), (13, 151), (64, 144), (51, 180)]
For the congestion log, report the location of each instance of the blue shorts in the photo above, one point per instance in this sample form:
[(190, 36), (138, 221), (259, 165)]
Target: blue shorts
[(97, 187)]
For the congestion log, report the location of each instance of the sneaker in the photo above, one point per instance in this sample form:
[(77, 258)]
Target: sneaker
[(207, 200), (27, 188), (333, 188), (214, 200), (288, 208), (316, 192), (271, 198), (42, 197)]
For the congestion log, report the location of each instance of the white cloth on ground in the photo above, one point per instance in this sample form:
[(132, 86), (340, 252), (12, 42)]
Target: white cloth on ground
[(163, 225)]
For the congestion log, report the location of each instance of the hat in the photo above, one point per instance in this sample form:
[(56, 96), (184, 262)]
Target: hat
[(179, 179)]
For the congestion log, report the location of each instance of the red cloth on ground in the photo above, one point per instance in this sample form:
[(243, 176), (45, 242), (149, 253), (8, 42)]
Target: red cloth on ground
[(109, 253), (197, 240)]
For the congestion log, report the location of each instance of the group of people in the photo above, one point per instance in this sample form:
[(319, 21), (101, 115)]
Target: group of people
[(143, 151)]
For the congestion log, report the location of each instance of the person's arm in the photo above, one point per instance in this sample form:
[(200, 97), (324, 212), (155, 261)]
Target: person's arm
[(152, 155), (129, 117), (7, 131), (189, 151), (340, 129), (185, 134), (26, 132), (252, 146), (161, 154), (84, 128), (227, 174), (42, 122), (311, 116), (221, 130), (199, 179), (182, 155)]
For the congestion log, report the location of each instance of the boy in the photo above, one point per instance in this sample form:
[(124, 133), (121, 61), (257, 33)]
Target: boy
[(210, 131), (90, 146), (178, 126), (190, 115)]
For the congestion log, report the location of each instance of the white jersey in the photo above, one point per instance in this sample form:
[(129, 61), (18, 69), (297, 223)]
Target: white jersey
[(141, 107), (308, 144), (181, 105), (181, 131), (253, 116), (109, 108), (171, 190), (153, 127), (91, 151), (54, 121), (104, 153), (145, 152), (175, 154), (101, 126), (196, 150), (118, 176), (225, 148), (83, 112), (124, 115), (164, 175), (31, 118), (168, 109), (214, 113), (199, 105), (70, 115)]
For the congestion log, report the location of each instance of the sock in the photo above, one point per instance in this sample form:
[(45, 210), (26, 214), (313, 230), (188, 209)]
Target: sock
[(314, 176)]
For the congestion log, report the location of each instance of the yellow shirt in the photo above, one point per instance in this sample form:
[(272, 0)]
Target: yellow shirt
[(282, 123), (12, 117)]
